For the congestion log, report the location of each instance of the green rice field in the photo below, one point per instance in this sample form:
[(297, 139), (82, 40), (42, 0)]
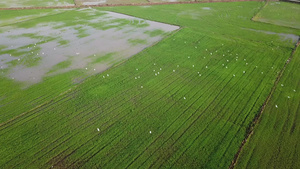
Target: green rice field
[(163, 86)]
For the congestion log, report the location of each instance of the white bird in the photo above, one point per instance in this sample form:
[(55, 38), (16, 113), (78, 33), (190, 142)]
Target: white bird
[(262, 72), (226, 67), (193, 65), (294, 90), (136, 69), (135, 77), (94, 69), (177, 65), (160, 69), (276, 106), (150, 132), (155, 74), (233, 75), (281, 84), (139, 77), (158, 73), (154, 64), (184, 98), (206, 67), (173, 70), (107, 75), (246, 63), (200, 75), (98, 129), (244, 71), (188, 57), (103, 76), (86, 68), (289, 97), (141, 86)]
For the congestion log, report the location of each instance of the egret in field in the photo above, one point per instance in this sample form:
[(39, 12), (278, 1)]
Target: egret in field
[(184, 98), (244, 71), (206, 67), (262, 72), (94, 54), (98, 129), (282, 85), (206, 49), (189, 57), (154, 64), (136, 69), (276, 106), (223, 55), (227, 60), (43, 53), (244, 59), (153, 70), (139, 77), (103, 76), (158, 73), (246, 63), (177, 65), (150, 132), (141, 86), (226, 67), (19, 59), (233, 75), (173, 70), (86, 68), (160, 68), (107, 75), (196, 47), (288, 97), (94, 69), (135, 77), (77, 53), (223, 64), (200, 75), (193, 65), (155, 74), (210, 53), (204, 57)]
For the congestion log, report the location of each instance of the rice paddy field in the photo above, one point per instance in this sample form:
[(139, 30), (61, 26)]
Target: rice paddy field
[(35, 3), (164, 86)]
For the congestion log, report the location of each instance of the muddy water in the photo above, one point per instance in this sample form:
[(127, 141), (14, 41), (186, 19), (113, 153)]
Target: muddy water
[(283, 36), (49, 44)]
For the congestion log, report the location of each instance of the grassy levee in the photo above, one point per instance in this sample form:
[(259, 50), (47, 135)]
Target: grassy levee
[(214, 75), (280, 13), (274, 143), (35, 3)]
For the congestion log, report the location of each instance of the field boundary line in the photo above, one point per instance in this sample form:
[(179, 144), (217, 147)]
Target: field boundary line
[(257, 118), (129, 4)]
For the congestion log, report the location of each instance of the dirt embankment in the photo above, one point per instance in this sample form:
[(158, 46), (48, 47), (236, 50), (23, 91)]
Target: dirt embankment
[(129, 4)]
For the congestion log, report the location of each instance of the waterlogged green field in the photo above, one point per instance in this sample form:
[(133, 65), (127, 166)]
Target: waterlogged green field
[(280, 13), (185, 102), (35, 3)]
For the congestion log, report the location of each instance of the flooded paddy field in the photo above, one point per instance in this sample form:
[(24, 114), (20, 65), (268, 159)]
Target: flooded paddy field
[(35, 3), (95, 44), (186, 99)]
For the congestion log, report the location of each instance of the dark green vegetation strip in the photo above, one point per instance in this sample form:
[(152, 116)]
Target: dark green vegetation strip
[(197, 91)]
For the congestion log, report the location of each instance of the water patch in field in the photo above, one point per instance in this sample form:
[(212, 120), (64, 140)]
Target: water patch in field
[(283, 36), (206, 8), (94, 2), (51, 48)]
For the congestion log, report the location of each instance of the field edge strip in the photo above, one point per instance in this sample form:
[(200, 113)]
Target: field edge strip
[(257, 118)]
